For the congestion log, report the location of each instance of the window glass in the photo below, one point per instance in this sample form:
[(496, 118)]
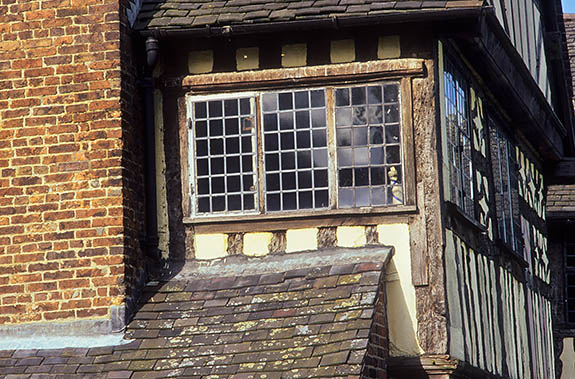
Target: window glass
[(224, 133)]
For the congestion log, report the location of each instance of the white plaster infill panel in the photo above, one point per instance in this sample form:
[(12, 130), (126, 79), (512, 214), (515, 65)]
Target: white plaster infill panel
[(210, 246), (257, 244), (301, 240), (401, 305), (351, 236)]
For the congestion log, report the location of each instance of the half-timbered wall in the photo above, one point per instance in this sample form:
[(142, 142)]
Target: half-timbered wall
[(500, 320), (522, 21)]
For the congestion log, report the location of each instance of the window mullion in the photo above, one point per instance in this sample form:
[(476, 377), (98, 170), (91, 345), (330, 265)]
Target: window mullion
[(259, 156), (332, 148)]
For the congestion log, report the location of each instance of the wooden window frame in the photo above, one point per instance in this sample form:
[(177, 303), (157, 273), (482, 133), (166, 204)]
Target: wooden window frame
[(283, 79)]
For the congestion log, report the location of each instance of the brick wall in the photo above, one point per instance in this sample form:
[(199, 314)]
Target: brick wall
[(63, 224)]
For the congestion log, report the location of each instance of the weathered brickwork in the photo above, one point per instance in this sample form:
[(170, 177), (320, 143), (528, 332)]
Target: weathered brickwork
[(63, 160)]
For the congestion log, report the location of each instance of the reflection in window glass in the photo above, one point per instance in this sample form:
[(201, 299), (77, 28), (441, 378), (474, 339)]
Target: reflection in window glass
[(368, 146), (224, 153), (295, 147), (458, 138)]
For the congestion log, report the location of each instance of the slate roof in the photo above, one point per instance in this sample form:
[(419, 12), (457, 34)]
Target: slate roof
[(302, 322), (187, 14)]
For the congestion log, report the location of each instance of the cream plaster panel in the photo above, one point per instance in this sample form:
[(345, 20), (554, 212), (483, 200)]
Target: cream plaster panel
[(351, 236), (257, 244), (388, 47), (210, 246), (201, 62), (342, 51), (247, 58), (161, 191), (301, 240), (294, 55), (401, 305)]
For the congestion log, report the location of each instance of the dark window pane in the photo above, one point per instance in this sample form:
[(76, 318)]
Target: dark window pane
[(232, 164), (392, 154), (273, 202), (202, 167), (319, 138), (320, 158), (218, 185), (317, 99), (345, 177), (203, 186), (358, 96), (218, 203), (201, 148), (361, 176), (374, 95), (342, 97), (215, 108), (232, 126), (391, 113), (301, 100), (247, 144), (303, 139), (302, 119), (375, 135), (231, 107), (375, 115), (359, 116), (390, 93), (271, 142), (343, 137), (245, 106), (320, 178), (288, 161), (200, 110), (376, 156), (321, 199), (272, 162), (304, 179), (270, 122), (391, 134), (289, 201), (343, 117), (204, 204), (247, 163), (286, 120), (378, 175), (359, 136), (304, 159), (305, 199), (234, 184), (232, 145), (201, 129), (216, 146), (249, 202), (234, 202), (270, 102), (216, 128), (217, 165), (287, 141), (288, 180), (318, 118), (285, 101), (272, 182), (248, 182)]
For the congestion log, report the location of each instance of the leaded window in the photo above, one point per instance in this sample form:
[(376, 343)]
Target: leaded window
[(294, 150), (459, 147)]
